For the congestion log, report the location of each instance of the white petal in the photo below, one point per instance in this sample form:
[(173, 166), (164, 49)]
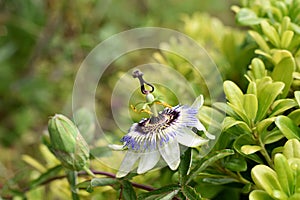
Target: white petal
[(127, 163), (188, 138), (200, 126), (171, 153), (198, 102), (148, 161), (210, 136), (116, 147)]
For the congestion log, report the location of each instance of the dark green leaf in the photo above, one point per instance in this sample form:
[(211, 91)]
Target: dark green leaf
[(219, 180), (162, 190), (205, 163), (184, 166), (128, 192), (95, 182), (236, 164), (51, 173), (190, 193)]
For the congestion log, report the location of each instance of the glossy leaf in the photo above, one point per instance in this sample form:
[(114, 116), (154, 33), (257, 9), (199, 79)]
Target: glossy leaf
[(234, 94), (250, 105), (286, 39), (259, 195), (250, 149), (297, 97), (287, 127), (281, 106), (265, 178), (284, 173), (258, 68), (283, 71), (260, 41), (266, 97), (269, 137), (271, 33), (292, 149), (246, 139), (229, 122), (295, 116)]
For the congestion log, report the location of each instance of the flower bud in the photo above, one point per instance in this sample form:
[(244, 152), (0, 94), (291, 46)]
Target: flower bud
[(67, 143)]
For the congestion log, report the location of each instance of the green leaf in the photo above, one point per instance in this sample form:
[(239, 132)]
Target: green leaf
[(287, 127), (259, 195), (260, 41), (247, 17), (95, 182), (234, 94), (190, 193), (219, 180), (168, 196), (271, 33), (240, 112), (294, 164), (250, 105), (264, 124), (265, 178), (202, 165), (269, 137), (281, 106), (286, 39), (246, 139), (297, 97), (258, 69), (211, 116), (128, 192), (283, 71), (266, 97), (229, 122), (225, 108), (185, 164), (252, 88), (284, 173), (162, 190), (295, 116), (250, 149), (51, 173), (236, 164), (292, 149)]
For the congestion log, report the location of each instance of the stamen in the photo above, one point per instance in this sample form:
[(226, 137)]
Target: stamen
[(138, 74)]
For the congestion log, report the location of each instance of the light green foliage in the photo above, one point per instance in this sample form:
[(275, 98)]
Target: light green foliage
[(282, 182)]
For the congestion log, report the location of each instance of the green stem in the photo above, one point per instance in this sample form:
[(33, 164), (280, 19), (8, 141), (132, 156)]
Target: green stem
[(154, 110), (264, 152), (72, 179)]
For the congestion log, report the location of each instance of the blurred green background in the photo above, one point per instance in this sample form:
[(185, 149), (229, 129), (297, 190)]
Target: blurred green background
[(42, 44)]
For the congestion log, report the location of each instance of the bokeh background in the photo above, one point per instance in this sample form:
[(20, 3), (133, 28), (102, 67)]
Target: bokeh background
[(43, 43)]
